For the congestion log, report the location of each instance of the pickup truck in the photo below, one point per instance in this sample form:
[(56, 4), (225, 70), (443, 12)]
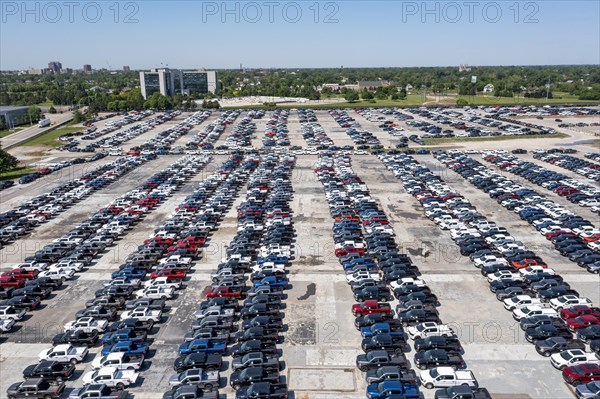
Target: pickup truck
[(438, 357), (385, 373), (97, 391), (211, 333), (161, 292), (190, 392), (127, 347), (387, 389), (76, 337), (35, 388), (370, 307), (172, 275), (429, 329), (146, 303), (213, 322), (49, 370), (225, 272), (124, 334), (251, 375), (225, 292), (385, 342), (10, 281), (378, 358), (381, 328), (87, 324), (119, 360), (9, 312), (6, 325), (97, 312), (439, 342), (442, 377), (65, 353), (143, 314), (208, 362), (263, 390), (462, 392), (260, 333), (270, 362), (203, 345), (202, 379), (573, 357), (162, 282), (214, 311), (253, 345), (112, 377), (136, 324)]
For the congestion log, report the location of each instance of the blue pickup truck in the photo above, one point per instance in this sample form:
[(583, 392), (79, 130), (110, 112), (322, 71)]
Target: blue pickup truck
[(380, 328), (124, 334), (127, 347), (203, 345), (394, 389)]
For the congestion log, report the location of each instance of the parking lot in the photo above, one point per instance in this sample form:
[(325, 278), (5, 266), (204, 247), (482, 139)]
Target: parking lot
[(320, 343)]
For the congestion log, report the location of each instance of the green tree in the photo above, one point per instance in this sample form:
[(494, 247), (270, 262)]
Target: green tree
[(366, 95), (34, 113), (78, 117), (351, 96), (7, 161), (461, 102), (52, 110)]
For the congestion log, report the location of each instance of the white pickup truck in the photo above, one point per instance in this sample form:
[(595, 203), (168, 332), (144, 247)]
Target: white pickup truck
[(214, 311), (87, 325), (407, 281), (9, 312), (66, 353), (119, 360), (143, 314), (112, 377), (429, 329), (58, 273), (573, 357), (162, 282), (155, 293), (442, 377)]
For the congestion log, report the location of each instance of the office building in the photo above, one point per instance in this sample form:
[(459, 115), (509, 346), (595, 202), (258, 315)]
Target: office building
[(54, 66), (126, 68), (171, 81), (87, 68)]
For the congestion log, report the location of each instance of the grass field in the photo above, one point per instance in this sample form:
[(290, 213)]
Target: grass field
[(50, 138), (16, 173), (447, 140)]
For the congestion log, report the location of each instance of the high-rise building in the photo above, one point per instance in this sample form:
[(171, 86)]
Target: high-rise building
[(126, 68), (54, 66), (171, 81), (87, 68)]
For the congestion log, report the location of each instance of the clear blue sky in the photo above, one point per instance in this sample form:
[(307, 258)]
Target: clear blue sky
[(188, 34)]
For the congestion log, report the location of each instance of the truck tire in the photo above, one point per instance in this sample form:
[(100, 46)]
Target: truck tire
[(73, 361), (120, 386), (47, 396), (208, 386), (429, 385)]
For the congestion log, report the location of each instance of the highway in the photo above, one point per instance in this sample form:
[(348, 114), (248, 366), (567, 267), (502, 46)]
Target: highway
[(17, 138)]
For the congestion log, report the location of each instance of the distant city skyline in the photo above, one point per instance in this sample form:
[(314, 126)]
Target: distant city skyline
[(215, 35)]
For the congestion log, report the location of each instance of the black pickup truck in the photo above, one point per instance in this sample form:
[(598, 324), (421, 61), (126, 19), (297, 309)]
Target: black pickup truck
[(37, 388), (438, 357), (49, 370), (251, 375)]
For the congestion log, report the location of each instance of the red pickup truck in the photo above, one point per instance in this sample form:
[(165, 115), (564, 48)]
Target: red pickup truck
[(170, 274), (226, 292), (10, 281), (21, 274), (370, 307), (159, 241)]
